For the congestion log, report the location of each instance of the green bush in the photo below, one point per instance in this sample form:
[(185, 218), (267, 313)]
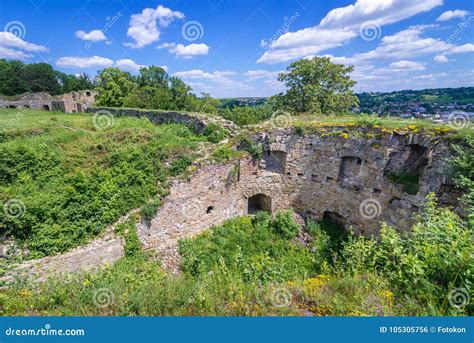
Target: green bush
[(215, 133), (148, 211), (246, 115), (180, 165), (284, 225), (73, 183)]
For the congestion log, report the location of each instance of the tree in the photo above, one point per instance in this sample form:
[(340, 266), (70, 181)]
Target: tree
[(114, 86), (318, 86), (41, 77)]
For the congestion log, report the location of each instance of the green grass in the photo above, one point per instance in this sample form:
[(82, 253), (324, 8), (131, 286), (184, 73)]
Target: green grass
[(250, 266), (74, 179)]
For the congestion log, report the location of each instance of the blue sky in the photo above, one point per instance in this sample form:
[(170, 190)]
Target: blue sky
[(236, 48)]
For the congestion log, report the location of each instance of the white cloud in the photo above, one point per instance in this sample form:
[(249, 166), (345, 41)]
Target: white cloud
[(304, 42), (461, 49), (9, 40), (128, 65), (84, 62), (406, 65), (93, 36), (262, 74), (405, 44), (448, 15), (440, 59), (144, 28), (185, 51), (216, 76), (14, 54), (341, 25), (218, 83)]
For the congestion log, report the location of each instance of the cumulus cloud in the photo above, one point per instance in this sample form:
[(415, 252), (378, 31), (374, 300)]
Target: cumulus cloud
[(461, 49), (9, 40), (448, 15), (341, 25), (406, 65), (405, 44), (185, 51), (440, 59), (145, 27), (128, 65), (14, 54), (14, 47), (93, 36), (84, 62), (262, 74)]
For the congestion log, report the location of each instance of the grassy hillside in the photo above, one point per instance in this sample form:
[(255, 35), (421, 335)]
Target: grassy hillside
[(255, 266), (64, 178)]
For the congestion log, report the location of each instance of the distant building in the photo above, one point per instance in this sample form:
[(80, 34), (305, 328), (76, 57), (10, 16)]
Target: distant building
[(72, 102)]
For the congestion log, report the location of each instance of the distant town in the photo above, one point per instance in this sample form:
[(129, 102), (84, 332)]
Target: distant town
[(435, 104)]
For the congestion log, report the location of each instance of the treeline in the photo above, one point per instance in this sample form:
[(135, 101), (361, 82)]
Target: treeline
[(17, 77), (152, 88)]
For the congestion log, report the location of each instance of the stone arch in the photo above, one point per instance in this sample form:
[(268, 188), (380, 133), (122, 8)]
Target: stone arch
[(335, 218), (275, 161), (46, 108), (411, 159), (259, 202)]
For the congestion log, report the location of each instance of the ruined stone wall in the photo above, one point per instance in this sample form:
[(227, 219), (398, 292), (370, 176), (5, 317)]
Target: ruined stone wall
[(314, 175), (198, 121)]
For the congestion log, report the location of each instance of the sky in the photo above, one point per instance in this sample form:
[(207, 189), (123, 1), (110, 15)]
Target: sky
[(233, 48)]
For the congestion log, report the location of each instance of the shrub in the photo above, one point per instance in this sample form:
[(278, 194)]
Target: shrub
[(148, 211), (215, 133), (179, 165), (284, 225)]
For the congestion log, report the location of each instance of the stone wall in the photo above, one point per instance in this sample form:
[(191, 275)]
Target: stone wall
[(315, 175), (72, 102), (320, 176), (198, 121)]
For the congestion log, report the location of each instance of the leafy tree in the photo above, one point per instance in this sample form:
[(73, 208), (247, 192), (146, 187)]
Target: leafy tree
[(40, 77), (153, 76), (114, 86), (317, 85)]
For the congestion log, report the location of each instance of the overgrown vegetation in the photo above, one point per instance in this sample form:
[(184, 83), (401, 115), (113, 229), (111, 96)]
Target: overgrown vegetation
[(71, 179), (251, 266), (409, 182)]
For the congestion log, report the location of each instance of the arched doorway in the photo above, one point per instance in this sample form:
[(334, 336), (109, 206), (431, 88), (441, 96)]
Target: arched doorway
[(259, 202)]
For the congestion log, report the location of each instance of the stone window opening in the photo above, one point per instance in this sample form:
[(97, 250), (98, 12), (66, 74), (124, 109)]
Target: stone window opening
[(259, 202), (350, 172), (210, 209), (275, 161), (88, 93), (46, 107)]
